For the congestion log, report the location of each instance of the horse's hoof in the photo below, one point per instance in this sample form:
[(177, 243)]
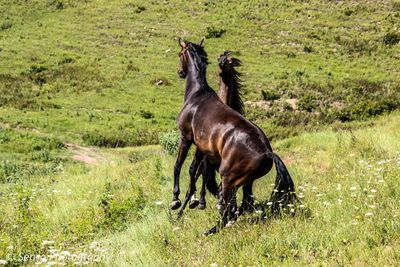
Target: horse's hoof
[(193, 203), (202, 206), (175, 204)]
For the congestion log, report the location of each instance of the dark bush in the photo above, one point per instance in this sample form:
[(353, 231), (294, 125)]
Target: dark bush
[(391, 38), (5, 25), (139, 9), (212, 32), (308, 49), (348, 12), (146, 114)]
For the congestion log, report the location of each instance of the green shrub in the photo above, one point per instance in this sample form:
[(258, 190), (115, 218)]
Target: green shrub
[(307, 102), (13, 171), (170, 142), (270, 95), (118, 212), (121, 138)]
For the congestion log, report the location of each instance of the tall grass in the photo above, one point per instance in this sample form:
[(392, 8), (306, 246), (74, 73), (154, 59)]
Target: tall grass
[(118, 213)]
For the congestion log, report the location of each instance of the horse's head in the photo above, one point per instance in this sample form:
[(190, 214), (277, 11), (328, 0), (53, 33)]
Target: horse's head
[(227, 63), (184, 57)]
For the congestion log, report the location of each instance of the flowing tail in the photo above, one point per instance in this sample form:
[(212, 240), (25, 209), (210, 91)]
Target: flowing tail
[(284, 193)]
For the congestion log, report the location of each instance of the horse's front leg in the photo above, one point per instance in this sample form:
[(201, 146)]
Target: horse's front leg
[(184, 146), (192, 182)]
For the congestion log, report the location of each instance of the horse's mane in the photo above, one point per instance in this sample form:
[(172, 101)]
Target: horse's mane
[(233, 78), (200, 55)]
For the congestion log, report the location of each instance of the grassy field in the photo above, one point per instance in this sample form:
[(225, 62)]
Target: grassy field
[(117, 211), (88, 90)]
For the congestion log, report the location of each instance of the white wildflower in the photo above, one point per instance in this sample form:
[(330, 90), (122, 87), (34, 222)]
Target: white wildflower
[(369, 214), (3, 262), (66, 253)]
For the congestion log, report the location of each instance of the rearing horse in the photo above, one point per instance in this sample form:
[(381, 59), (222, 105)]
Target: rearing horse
[(230, 94), (237, 146)]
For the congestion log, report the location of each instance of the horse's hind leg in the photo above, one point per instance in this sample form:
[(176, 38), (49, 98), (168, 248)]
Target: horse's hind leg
[(194, 202), (227, 196), (206, 172), (248, 200), (192, 182)]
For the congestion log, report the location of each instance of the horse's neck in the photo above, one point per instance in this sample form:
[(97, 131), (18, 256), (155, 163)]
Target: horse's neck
[(223, 92), (196, 79)]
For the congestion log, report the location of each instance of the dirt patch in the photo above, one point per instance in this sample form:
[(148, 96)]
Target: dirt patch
[(264, 104), (259, 104), (85, 154), (292, 102)]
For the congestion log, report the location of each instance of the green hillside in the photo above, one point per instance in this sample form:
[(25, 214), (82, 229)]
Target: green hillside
[(89, 70), (88, 88)]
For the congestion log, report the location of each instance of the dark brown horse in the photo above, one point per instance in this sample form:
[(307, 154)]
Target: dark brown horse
[(230, 94), (237, 146)]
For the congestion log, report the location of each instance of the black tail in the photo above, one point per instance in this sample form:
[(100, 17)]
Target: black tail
[(284, 193), (209, 172)]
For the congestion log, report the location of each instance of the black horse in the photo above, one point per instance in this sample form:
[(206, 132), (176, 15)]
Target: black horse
[(226, 138), (230, 93)]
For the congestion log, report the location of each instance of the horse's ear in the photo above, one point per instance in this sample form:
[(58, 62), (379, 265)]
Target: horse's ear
[(181, 43), (201, 42)]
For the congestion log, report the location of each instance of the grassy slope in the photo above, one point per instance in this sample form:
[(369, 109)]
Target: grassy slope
[(101, 58), (349, 186), (87, 67)]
